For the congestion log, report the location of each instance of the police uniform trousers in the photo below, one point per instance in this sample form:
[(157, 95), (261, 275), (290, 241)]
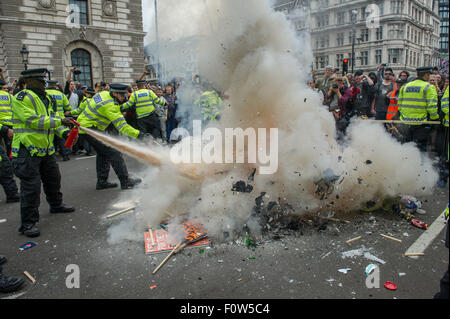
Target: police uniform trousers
[(7, 175), (106, 157), (418, 134), (150, 125), (59, 144), (32, 170)]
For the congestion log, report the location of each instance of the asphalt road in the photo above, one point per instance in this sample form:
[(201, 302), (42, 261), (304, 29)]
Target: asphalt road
[(300, 265)]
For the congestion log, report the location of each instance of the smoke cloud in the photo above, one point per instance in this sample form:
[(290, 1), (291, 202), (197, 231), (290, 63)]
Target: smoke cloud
[(254, 55)]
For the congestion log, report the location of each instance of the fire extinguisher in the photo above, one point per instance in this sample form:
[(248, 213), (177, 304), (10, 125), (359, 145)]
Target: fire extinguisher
[(73, 135)]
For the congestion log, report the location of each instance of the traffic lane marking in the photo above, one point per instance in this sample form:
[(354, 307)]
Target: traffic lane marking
[(428, 236)]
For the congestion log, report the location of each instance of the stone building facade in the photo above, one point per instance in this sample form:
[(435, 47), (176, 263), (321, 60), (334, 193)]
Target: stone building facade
[(401, 33), (104, 38)]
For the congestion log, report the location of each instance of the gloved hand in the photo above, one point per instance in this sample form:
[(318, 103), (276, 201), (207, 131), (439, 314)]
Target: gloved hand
[(67, 122), (144, 136)]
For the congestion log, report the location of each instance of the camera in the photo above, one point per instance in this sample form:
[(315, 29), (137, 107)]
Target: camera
[(76, 71), (335, 86)]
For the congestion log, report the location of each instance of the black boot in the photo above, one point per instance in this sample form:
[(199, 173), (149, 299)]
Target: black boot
[(105, 185), (13, 198), (2, 260), (130, 183), (62, 209), (9, 284), (30, 230)]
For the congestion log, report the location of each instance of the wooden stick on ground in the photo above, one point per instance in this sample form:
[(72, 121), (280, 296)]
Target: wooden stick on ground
[(29, 276), (121, 212), (354, 239), (414, 254), (391, 238), (336, 220), (177, 248)]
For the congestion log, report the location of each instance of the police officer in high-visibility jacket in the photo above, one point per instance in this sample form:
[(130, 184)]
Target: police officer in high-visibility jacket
[(35, 123), (417, 102), (82, 140), (145, 102), (210, 104), (444, 107), (5, 112), (100, 112), (63, 106), (6, 170)]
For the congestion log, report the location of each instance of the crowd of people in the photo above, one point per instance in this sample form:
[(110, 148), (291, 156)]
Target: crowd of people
[(413, 107)]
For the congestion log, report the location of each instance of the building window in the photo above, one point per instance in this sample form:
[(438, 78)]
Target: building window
[(339, 59), (323, 20), (396, 31), (378, 57), (340, 39), (379, 33), (83, 11), (340, 17), (350, 37), (353, 17), (82, 59), (325, 41), (364, 57), (397, 6), (365, 35), (394, 55)]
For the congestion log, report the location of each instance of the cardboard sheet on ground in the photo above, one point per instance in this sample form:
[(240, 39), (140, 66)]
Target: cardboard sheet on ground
[(159, 241)]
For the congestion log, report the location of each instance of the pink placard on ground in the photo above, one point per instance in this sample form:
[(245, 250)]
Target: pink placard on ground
[(163, 242)]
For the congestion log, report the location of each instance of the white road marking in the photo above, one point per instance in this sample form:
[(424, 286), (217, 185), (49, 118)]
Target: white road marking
[(427, 237), (15, 296), (83, 158)]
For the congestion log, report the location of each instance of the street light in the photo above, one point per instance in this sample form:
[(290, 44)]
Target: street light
[(354, 13), (157, 41), (24, 52)]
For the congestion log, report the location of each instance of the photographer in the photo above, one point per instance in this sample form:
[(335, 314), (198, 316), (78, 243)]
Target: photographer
[(337, 98), (70, 89), (381, 101), (362, 94)]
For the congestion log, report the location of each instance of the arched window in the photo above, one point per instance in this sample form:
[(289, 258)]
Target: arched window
[(82, 59)]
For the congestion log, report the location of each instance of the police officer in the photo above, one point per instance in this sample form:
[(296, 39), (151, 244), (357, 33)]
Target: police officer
[(443, 163), (210, 103), (6, 134), (6, 170), (63, 106), (145, 102), (35, 123), (417, 101), (103, 110), (5, 112), (82, 141)]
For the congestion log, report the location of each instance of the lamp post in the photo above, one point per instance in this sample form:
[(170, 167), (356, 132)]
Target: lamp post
[(353, 21), (24, 52), (157, 40)]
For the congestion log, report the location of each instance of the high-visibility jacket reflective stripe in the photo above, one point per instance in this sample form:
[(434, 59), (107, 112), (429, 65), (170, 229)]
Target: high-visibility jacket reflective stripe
[(101, 111), (444, 106), (393, 106), (5, 108), (82, 107), (62, 101), (416, 101), (34, 124), (144, 101)]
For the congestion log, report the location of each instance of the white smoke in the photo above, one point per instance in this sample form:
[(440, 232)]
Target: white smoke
[(256, 57)]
